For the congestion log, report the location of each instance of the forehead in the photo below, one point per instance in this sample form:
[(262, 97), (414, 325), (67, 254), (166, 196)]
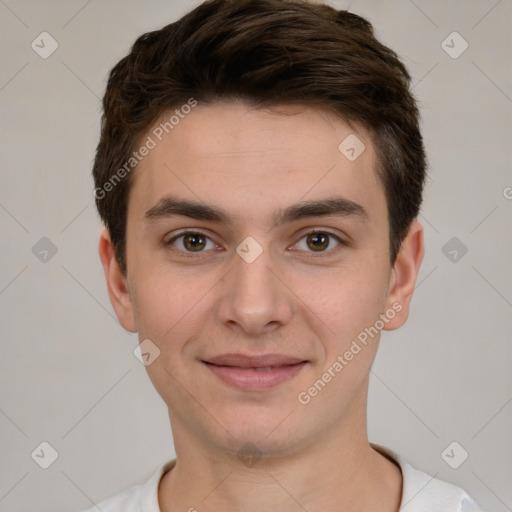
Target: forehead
[(255, 159)]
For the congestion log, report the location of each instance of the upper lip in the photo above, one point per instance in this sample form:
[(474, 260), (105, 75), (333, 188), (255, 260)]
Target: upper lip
[(261, 361)]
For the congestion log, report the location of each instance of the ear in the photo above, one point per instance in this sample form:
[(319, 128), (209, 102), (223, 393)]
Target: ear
[(116, 283), (404, 274)]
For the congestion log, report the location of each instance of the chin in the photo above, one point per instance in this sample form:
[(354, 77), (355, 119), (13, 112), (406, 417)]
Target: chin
[(261, 431)]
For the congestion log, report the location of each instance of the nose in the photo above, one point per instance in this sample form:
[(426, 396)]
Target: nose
[(254, 297)]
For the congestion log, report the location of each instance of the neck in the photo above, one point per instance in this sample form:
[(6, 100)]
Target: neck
[(339, 472)]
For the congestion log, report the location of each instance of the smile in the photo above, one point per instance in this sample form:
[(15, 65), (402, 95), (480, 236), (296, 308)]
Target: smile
[(254, 373)]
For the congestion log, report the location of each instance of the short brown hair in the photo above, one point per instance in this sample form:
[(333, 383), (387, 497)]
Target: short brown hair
[(267, 53)]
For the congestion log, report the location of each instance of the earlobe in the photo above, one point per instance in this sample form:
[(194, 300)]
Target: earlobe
[(404, 274), (117, 286)]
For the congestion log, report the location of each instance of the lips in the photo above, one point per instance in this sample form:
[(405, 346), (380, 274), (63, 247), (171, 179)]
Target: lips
[(263, 361), (253, 373)]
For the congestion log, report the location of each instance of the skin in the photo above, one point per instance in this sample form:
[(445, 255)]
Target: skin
[(293, 299)]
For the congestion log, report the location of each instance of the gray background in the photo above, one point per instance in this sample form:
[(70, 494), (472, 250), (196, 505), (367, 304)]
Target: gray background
[(68, 374)]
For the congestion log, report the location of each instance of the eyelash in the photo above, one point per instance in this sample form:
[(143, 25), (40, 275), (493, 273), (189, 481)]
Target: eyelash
[(189, 254)]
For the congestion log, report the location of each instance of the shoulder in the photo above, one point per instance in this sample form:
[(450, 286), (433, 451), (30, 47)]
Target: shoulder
[(139, 498), (422, 492), (127, 501)]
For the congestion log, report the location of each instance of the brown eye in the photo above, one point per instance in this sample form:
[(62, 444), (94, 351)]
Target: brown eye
[(318, 241), (194, 242)]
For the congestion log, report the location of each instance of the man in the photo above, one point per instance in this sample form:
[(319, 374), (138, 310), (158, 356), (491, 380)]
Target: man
[(259, 173)]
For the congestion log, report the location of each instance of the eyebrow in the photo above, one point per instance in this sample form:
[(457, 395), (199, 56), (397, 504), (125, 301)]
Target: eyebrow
[(336, 206)]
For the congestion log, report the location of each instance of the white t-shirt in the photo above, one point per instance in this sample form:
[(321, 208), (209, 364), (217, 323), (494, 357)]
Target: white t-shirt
[(420, 492)]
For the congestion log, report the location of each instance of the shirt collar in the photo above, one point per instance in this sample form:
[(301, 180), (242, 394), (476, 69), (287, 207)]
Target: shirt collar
[(413, 482)]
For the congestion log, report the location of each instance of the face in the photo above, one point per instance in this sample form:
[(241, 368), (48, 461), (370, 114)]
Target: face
[(258, 264)]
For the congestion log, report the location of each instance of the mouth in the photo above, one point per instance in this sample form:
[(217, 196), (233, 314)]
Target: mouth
[(254, 373)]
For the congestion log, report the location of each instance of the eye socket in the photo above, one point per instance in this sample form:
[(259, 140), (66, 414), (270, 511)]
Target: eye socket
[(318, 241), (192, 242)]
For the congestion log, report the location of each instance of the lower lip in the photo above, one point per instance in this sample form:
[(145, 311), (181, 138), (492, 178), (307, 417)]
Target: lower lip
[(251, 379)]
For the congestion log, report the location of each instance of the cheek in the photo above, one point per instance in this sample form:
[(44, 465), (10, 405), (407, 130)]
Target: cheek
[(346, 301), (350, 307), (167, 302)]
